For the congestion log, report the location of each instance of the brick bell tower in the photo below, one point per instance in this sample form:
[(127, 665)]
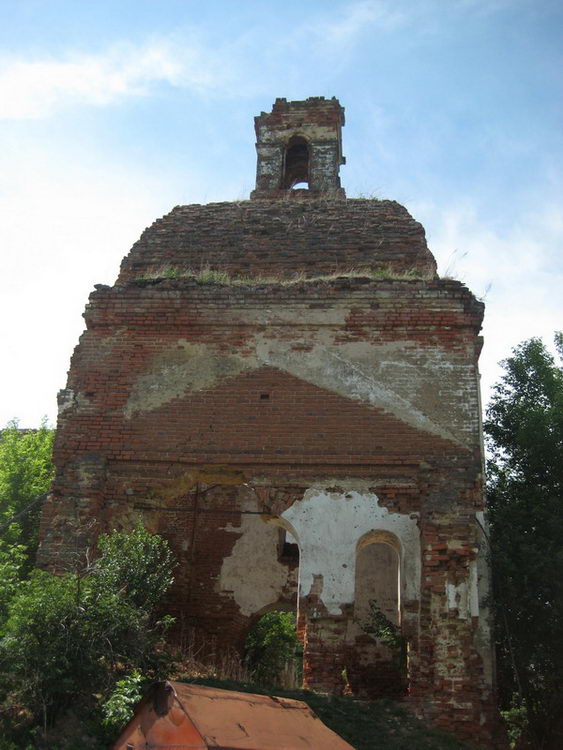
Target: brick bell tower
[(299, 147)]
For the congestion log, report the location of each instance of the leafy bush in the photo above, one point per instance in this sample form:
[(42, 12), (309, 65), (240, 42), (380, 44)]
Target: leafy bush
[(69, 637), (271, 645), (139, 566), (118, 708), (516, 720)]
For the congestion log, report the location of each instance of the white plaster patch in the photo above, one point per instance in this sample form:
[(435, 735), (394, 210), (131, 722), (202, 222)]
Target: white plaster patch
[(329, 526), (65, 400), (253, 572), (464, 596), (473, 590)]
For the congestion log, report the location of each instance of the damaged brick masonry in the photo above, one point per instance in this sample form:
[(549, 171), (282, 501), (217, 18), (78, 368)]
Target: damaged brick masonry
[(286, 391)]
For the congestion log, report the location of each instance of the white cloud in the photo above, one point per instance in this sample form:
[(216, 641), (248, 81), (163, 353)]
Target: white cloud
[(355, 19), (516, 270), (358, 17), (64, 226), (31, 89)]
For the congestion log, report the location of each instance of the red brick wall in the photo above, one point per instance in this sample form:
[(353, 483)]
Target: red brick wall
[(196, 450), (282, 239)]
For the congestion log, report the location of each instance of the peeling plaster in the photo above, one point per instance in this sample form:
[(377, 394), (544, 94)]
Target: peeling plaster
[(179, 370), (331, 369), (253, 572), (365, 372), (329, 526), (464, 596), (65, 399), (312, 131)]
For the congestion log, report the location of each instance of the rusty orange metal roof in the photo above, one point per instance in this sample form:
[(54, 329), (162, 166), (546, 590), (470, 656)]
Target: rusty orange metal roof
[(179, 716)]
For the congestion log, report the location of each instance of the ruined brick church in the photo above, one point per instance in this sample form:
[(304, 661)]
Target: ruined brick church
[(286, 391)]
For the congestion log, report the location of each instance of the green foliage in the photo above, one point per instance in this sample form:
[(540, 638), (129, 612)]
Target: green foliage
[(271, 645), (140, 566), (524, 428), (57, 641), (516, 720), (12, 560), (7, 744), (118, 708), (380, 626), (26, 470), (210, 276), (69, 637)]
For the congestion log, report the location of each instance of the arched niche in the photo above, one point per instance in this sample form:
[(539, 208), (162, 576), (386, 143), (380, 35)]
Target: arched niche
[(378, 574)]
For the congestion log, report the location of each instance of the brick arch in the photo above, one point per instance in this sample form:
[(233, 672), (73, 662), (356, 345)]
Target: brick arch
[(379, 536)]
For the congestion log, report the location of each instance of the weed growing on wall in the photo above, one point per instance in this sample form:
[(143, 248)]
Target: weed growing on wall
[(379, 626)]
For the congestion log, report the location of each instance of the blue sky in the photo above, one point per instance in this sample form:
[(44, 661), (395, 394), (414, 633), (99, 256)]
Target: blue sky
[(113, 112)]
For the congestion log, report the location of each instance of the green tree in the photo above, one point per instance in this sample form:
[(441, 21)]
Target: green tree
[(524, 429), (26, 470), (69, 637)]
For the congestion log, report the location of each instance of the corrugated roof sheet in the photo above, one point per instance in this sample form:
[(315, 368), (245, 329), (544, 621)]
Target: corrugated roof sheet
[(178, 716)]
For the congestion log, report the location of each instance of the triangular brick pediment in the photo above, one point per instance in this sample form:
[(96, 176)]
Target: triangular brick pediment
[(268, 412)]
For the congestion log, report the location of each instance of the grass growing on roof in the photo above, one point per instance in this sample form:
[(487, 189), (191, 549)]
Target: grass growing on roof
[(211, 276)]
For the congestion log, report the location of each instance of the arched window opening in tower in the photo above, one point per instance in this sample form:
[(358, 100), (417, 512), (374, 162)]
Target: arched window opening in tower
[(296, 166)]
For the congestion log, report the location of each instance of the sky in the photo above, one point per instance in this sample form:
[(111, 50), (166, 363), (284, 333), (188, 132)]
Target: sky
[(112, 112)]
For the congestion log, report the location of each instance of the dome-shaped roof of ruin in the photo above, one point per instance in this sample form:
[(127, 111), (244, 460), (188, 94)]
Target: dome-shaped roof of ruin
[(282, 239)]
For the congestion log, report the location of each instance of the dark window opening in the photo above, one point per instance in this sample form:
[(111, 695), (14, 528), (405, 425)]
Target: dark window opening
[(296, 167), (288, 550)]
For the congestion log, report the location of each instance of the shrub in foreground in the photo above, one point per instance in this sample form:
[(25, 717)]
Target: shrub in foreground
[(70, 637)]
